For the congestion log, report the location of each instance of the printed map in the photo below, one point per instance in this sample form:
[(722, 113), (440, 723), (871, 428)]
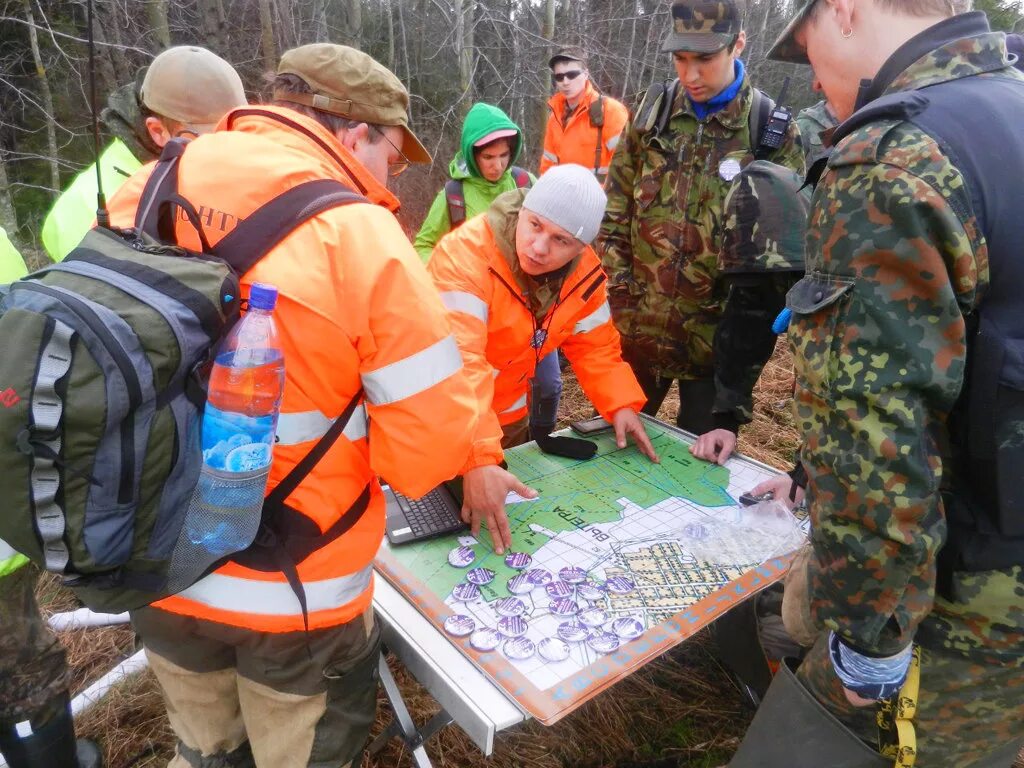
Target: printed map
[(673, 531)]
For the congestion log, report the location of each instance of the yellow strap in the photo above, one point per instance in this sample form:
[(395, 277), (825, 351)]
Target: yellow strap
[(897, 715)]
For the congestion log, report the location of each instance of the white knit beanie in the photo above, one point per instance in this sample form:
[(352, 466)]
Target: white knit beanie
[(571, 197)]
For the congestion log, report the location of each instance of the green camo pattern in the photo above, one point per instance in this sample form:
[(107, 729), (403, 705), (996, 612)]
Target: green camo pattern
[(721, 17), (813, 121), (880, 350), (662, 231)]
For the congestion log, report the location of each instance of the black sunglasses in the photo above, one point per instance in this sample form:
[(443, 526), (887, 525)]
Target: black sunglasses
[(571, 75)]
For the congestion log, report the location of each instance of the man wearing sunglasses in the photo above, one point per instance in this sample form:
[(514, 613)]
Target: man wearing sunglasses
[(584, 124)]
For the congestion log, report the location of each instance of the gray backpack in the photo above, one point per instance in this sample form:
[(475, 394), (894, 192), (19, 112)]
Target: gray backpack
[(104, 360)]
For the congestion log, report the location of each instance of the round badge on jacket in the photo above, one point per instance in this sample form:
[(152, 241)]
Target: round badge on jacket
[(729, 168)]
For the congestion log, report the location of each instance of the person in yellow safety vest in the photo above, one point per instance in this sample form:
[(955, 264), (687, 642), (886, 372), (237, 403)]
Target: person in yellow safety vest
[(12, 266), (520, 281), (185, 92), (243, 677)]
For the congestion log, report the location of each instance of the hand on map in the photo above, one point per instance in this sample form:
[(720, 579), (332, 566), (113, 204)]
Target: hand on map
[(626, 422), (484, 492), (716, 445), (779, 487)]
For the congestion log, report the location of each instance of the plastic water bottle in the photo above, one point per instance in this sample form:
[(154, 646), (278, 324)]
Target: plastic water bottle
[(239, 424)]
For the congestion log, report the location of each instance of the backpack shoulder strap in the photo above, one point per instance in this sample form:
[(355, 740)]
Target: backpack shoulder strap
[(760, 109), (597, 120), (156, 212), (656, 108), (456, 199), (268, 225), (521, 177)]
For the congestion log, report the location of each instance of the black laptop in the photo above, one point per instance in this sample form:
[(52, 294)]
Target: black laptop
[(436, 514)]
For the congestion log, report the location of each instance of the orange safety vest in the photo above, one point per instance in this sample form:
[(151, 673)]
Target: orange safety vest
[(356, 309), (578, 140), (497, 331)]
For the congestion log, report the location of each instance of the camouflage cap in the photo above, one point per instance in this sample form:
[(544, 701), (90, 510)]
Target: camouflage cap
[(348, 83), (704, 26), (785, 47), (765, 221), (571, 53)]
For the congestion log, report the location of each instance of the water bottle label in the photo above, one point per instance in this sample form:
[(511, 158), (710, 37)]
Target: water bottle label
[(235, 442)]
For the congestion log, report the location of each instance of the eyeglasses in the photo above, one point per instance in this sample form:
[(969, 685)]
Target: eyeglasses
[(398, 167), (571, 75)]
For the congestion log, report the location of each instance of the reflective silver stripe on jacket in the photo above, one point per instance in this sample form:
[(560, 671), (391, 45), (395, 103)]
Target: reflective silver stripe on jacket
[(465, 302), (275, 598), (306, 426), (612, 143), (520, 403), (595, 319), (549, 156), (414, 374)]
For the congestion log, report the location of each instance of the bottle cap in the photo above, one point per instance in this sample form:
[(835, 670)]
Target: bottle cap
[(262, 296)]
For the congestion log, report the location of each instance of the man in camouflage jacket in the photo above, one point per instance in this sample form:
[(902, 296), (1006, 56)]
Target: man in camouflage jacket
[(813, 122), (897, 271), (663, 228)]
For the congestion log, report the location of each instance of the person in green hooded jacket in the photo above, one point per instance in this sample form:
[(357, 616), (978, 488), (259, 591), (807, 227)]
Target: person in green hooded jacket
[(12, 266)]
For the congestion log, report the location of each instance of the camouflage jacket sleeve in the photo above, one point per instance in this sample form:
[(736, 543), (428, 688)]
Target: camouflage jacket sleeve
[(743, 342), (614, 241), (879, 349)]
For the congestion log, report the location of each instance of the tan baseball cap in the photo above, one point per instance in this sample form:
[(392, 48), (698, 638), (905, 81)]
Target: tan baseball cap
[(193, 86), (349, 83)]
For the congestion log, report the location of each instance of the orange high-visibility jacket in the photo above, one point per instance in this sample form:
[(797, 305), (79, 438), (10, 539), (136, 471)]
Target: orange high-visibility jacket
[(356, 308), (496, 329), (576, 142)]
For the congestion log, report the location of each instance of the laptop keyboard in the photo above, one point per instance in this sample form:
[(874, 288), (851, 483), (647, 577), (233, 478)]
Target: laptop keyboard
[(429, 515)]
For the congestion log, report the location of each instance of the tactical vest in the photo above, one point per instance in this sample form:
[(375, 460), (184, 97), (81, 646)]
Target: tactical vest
[(985, 505)]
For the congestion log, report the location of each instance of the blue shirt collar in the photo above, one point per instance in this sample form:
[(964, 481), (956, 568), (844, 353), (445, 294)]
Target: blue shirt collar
[(717, 103)]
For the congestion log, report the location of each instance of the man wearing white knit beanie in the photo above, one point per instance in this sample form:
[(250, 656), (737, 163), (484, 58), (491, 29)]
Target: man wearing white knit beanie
[(519, 281)]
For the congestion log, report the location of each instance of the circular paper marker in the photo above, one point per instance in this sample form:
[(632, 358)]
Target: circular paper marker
[(461, 557), (589, 590), (459, 625), (480, 576), (572, 632), (557, 589), (485, 639), (520, 585), (564, 606), (627, 628), (593, 617), (620, 585), (464, 592), (510, 606), (512, 626), (572, 575), (538, 576), (519, 648), (603, 642), (518, 560), (553, 649)]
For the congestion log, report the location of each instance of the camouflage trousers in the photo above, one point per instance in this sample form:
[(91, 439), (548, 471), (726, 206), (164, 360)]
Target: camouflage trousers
[(966, 709), (33, 668)]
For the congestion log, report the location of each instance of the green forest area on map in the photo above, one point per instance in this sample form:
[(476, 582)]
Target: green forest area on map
[(574, 495)]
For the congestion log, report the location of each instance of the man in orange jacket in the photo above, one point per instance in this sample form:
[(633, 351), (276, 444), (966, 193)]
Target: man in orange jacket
[(356, 312), (520, 281), (584, 124)]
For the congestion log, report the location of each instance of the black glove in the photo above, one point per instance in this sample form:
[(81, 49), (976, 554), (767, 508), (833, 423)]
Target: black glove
[(569, 447)]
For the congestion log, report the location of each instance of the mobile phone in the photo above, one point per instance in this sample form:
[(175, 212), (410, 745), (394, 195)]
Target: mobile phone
[(748, 499), (590, 426)]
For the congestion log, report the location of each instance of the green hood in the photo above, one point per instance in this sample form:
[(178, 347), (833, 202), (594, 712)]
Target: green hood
[(482, 120)]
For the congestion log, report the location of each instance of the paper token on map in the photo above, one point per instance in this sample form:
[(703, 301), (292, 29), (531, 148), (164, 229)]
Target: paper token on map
[(480, 576), (572, 575), (459, 625), (518, 560), (510, 606), (552, 649), (620, 585), (627, 628), (564, 606), (513, 626), (557, 589), (572, 632), (603, 642), (461, 557), (593, 617), (588, 590), (538, 576), (695, 531), (485, 639), (520, 585), (464, 592), (519, 648)]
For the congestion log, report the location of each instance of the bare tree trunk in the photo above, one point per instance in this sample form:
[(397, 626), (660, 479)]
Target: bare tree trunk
[(319, 21), (156, 13), (8, 217), (267, 37), (354, 23), (548, 33), (44, 88), (464, 32), (391, 34), (213, 25)]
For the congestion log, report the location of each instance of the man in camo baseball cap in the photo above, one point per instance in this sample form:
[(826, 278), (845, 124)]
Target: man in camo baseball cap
[(704, 26)]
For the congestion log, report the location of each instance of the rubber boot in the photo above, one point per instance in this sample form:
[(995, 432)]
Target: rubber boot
[(51, 744)]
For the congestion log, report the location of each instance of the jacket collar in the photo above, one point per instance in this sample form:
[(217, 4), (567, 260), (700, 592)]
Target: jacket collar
[(589, 95), (732, 117)]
